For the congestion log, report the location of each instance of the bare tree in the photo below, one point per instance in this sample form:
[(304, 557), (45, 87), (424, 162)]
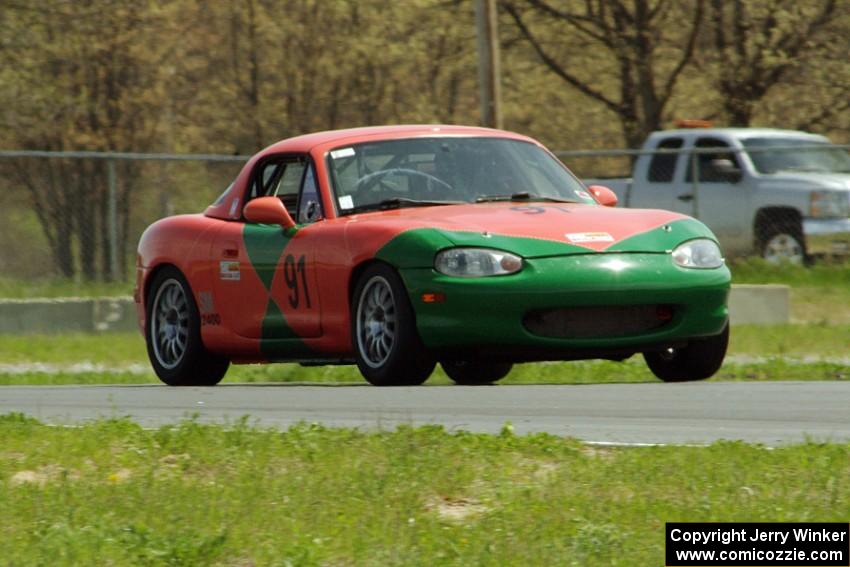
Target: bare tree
[(631, 32), (758, 44)]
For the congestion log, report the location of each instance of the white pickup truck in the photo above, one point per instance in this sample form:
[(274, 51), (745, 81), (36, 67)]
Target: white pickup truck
[(781, 194)]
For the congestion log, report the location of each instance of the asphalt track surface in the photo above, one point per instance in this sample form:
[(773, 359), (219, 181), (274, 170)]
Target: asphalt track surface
[(771, 413)]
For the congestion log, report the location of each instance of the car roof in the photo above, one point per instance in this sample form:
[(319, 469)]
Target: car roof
[(307, 142), (738, 133), (228, 205)]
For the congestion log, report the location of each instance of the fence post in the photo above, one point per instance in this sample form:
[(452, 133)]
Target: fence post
[(695, 178), (112, 183), (489, 67)]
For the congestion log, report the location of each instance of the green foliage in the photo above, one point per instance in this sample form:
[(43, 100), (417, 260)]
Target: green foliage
[(110, 492)]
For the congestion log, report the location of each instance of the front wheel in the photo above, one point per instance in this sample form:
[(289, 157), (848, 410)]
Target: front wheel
[(699, 360), (387, 346), (475, 372), (783, 243), (173, 334)]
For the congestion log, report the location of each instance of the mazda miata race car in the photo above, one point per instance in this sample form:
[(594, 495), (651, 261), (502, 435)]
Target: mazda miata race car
[(402, 246)]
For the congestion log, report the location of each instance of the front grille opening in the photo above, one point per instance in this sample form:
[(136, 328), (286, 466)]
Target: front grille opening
[(598, 321)]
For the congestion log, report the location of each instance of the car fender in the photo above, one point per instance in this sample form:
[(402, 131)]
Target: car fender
[(182, 241)]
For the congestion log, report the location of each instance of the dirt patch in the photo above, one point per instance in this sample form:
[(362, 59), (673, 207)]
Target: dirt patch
[(537, 470), (120, 476), (12, 456), (172, 460), (456, 509), (43, 475), (597, 452)]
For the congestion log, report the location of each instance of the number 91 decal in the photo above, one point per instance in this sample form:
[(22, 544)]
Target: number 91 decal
[(295, 276)]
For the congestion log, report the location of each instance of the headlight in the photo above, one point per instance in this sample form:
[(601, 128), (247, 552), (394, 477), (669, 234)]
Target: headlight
[(828, 204), (698, 253), (476, 262)]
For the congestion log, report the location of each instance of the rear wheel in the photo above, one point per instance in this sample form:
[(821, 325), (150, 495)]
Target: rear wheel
[(173, 335), (699, 360), (387, 346), (475, 372)]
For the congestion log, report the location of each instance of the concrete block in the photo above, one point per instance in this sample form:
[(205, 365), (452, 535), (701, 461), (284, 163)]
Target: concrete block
[(768, 304), (115, 314), (67, 315), (25, 316)]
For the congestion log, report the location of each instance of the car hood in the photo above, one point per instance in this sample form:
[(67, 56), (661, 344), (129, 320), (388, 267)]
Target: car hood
[(809, 180), (541, 229)]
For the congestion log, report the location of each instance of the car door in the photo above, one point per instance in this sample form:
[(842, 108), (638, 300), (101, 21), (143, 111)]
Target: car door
[(657, 190), (718, 197), (266, 282)]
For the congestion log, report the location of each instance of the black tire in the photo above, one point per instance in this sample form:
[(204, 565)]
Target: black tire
[(782, 240), (699, 360), (475, 372), (178, 362), (387, 346)]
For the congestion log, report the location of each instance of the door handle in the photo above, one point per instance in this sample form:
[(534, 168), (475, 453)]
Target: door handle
[(686, 198), (230, 250)]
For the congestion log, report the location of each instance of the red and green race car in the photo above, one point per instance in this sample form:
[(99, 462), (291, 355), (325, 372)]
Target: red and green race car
[(399, 247)]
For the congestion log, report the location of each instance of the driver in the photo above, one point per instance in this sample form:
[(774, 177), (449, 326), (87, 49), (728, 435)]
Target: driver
[(456, 166)]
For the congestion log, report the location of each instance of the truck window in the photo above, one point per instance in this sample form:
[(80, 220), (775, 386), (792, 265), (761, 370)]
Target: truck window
[(770, 155), (663, 166), (707, 172)]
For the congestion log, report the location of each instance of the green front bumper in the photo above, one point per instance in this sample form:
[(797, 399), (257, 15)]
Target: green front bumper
[(487, 313)]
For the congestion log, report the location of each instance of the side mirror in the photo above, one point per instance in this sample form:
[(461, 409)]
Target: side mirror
[(268, 210), (605, 196)]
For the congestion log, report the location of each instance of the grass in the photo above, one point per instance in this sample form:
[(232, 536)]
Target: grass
[(820, 293), (109, 349), (593, 372), (110, 492), (757, 271), (12, 288), (124, 348), (787, 352)]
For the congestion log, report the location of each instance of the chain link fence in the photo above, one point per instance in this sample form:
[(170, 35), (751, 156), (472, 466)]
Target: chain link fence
[(79, 215)]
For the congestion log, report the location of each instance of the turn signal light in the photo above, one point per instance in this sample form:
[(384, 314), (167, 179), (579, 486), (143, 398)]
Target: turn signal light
[(433, 297)]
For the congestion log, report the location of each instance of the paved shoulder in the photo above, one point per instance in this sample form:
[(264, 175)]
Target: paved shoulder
[(767, 412)]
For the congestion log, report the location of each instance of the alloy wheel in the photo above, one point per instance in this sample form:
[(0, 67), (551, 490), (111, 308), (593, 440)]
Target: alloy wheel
[(169, 326)]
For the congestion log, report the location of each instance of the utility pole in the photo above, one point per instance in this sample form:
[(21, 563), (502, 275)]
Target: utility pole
[(489, 69)]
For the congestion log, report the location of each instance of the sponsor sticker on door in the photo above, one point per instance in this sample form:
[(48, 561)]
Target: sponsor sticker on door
[(229, 270)]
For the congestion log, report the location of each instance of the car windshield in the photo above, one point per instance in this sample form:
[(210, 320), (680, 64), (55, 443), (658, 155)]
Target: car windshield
[(434, 171), (771, 155)]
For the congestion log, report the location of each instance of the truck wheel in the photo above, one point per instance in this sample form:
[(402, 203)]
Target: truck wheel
[(783, 243), (475, 372), (173, 334), (387, 346), (699, 360)]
